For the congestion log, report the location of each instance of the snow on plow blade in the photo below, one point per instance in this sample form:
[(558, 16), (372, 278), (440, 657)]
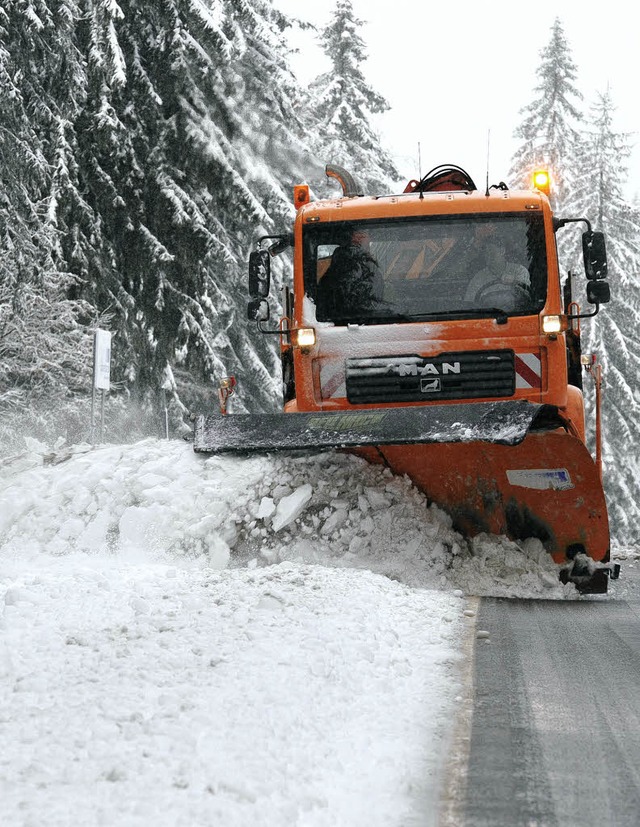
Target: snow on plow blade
[(506, 468), (506, 423)]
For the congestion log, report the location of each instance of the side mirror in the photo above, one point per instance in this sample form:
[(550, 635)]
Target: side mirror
[(259, 274), (598, 292), (595, 255), (258, 310)]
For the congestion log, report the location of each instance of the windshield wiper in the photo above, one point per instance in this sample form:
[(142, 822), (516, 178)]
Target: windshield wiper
[(364, 320), (501, 316)]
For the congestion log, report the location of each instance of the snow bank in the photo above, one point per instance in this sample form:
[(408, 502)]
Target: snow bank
[(157, 500)]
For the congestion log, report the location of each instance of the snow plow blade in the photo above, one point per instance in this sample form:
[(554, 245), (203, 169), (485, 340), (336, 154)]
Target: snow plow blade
[(547, 487), (506, 423)]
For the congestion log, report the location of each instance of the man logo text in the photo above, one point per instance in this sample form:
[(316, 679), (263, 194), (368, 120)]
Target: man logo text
[(429, 369)]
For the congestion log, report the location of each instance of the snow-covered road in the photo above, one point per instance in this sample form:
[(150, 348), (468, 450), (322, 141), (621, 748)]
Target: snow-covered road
[(264, 641)]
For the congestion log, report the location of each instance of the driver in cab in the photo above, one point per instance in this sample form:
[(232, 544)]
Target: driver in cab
[(500, 282), (352, 286)]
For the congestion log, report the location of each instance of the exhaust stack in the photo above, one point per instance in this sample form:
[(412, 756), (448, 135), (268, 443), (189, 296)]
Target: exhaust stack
[(350, 188)]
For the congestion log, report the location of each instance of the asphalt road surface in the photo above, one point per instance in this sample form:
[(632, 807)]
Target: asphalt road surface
[(555, 731)]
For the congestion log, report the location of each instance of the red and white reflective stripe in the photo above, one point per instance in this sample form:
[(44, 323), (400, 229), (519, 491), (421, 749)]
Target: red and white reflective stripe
[(528, 370), (332, 381)]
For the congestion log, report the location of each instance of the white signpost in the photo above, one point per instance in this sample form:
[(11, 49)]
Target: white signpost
[(101, 375)]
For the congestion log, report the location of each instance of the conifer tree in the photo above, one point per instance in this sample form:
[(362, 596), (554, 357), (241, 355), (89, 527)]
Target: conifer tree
[(549, 129), (148, 146), (615, 333), (175, 159), (589, 171), (45, 335), (168, 147), (339, 106)]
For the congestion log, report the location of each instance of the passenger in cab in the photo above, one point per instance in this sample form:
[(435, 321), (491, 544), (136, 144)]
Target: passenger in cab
[(500, 282)]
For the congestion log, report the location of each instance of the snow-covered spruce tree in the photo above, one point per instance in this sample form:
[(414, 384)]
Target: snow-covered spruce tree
[(181, 97), (268, 141), (338, 108), (153, 143), (614, 334), (45, 337), (588, 173), (549, 129)]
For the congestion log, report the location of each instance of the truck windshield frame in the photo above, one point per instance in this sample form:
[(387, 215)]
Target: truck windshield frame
[(385, 271)]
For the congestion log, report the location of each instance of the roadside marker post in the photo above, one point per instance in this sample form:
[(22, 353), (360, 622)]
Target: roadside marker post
[(101, 376)]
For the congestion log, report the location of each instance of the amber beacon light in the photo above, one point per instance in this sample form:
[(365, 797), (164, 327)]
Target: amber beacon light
[(542, 181), (301, 195)]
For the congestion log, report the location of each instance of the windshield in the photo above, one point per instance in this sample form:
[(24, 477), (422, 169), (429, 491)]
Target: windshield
[(375, 272)]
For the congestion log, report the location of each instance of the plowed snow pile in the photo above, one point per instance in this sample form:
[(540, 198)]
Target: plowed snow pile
[(157, 500), (265, 641)]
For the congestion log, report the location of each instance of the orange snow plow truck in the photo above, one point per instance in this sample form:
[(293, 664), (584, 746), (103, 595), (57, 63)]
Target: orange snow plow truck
[(429, 331)]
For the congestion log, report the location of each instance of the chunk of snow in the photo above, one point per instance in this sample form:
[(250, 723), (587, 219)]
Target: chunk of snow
[(266, 509), (290, 507)]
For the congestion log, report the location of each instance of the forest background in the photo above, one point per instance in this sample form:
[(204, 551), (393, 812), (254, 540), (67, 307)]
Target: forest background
[(145, 147)]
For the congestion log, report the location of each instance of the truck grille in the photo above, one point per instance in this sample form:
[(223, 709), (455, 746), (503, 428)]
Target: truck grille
[(466, 375)]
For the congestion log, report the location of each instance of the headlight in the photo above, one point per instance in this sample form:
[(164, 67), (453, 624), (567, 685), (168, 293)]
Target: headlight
[(304, 337), (551, 324)]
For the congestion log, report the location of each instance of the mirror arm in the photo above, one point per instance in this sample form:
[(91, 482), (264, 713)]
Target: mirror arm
[(281, 243), (562, 222), (267, 237), (584, 315), (276, 330)]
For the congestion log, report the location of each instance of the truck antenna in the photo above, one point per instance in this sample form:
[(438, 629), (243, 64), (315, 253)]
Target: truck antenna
[(488, 146), (421, 196)]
